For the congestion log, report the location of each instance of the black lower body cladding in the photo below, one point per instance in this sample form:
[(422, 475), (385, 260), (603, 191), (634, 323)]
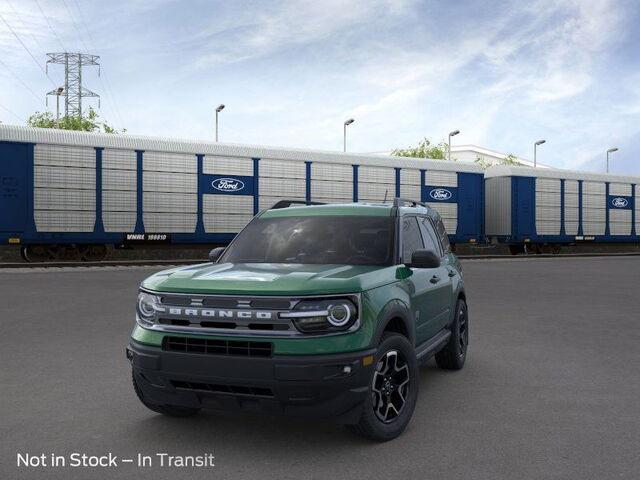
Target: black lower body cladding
[(317, 386)]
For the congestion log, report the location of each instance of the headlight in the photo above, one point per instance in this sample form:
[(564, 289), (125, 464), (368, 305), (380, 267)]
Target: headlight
[(323, 315), (148, 306)]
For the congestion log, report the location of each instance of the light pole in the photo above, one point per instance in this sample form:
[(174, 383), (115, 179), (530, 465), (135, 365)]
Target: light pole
[(535, 152), (451, 134), (218, 110), (611, 150), (59, 91), (344, 135)]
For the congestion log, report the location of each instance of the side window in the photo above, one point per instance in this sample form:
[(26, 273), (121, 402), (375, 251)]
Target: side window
[(442, 234), (431, 241), (411, 238)]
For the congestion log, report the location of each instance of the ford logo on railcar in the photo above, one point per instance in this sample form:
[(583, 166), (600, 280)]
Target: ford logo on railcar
[(440, 194), (619, 202), (228, 184)]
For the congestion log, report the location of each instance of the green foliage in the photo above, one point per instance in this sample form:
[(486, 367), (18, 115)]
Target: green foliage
[(510, 159), (87, 123), (425, 149)]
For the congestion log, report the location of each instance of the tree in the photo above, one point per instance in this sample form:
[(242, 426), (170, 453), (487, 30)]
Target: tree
[(87, 123), (425, 149), (510, 159)]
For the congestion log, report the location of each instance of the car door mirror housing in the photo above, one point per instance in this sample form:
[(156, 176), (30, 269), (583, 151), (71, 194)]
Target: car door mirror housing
[(424, 259), (214, 254)]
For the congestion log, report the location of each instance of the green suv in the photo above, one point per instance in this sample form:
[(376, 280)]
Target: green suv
[(312, 310)]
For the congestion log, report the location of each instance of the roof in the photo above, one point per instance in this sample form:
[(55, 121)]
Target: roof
[(14, 133), (343, 209), (512, 171)]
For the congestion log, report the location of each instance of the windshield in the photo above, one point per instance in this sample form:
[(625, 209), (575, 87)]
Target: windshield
[(344, 240)]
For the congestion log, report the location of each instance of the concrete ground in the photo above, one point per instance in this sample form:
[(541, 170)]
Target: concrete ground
[(551, 388)]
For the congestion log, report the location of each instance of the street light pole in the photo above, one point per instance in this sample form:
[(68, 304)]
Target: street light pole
[(344, 133), (451, 134), (611, 150), (535, 152), (218, 110), (58, 93)]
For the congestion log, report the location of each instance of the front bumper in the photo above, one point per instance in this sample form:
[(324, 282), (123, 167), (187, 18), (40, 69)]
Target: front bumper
[(318, 386)]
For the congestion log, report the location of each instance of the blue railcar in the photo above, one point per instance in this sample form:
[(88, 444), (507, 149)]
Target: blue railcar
[(539, 210), (71, 194)]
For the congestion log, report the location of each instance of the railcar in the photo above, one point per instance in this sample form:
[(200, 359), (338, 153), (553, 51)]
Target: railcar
[(540, 210), (67, 194)]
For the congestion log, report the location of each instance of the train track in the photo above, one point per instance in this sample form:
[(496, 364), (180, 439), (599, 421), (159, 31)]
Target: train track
[(178, 262)]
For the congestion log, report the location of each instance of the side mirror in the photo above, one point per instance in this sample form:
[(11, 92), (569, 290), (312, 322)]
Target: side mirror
[(214, 254), (424, 259)]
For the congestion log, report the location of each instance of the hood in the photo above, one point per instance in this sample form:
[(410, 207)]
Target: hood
[(270, 279)]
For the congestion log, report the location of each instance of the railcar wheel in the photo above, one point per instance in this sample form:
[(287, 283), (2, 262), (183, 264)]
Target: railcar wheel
[(516, 249), (93, 253), (531, 249), (35, 253)]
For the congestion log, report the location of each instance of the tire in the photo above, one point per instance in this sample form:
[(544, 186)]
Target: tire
[(372, 425), (454, 354), (169, 410)]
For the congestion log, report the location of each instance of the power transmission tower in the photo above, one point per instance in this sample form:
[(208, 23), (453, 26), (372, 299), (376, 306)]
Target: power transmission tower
[(73, 91)]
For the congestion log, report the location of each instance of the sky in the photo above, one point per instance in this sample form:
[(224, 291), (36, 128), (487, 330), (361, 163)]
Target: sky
[(504, 73)]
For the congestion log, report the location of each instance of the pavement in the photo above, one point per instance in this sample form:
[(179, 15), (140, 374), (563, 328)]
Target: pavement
[(551, 388)]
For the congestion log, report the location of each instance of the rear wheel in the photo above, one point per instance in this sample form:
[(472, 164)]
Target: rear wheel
[(393, 391), (453, 356), (169, 410)]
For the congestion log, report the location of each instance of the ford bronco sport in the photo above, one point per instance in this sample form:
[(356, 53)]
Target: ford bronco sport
[(312, 310)]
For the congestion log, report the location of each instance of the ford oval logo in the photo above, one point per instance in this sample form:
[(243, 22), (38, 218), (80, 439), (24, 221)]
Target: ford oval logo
[(228, 184), (619, 202), (440, 194)]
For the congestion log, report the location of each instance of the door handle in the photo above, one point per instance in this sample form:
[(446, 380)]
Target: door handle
[(435, 279), (452, 273)]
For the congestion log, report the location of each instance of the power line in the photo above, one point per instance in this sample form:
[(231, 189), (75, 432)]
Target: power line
[(27, 49), (106, 85), (75, 25), (13, 113), (26, 27), (50, 26), (21, 81)]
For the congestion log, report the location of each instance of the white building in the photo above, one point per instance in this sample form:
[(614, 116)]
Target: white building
[(469, 153)]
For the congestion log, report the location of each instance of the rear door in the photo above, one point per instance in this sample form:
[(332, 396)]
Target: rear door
[(13, 186), (421, 285), (440, 299)]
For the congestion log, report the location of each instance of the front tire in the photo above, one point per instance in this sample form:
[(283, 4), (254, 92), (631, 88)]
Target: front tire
[(454, 354), (393, 391), (169, 410)]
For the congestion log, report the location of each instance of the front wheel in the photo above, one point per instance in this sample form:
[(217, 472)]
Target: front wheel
[(393, 391)]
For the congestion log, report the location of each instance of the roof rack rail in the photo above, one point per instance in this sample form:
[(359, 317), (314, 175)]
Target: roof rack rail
[(288, 203), (400, 202)]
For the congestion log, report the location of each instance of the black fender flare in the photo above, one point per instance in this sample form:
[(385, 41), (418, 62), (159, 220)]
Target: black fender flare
[(395, 309)]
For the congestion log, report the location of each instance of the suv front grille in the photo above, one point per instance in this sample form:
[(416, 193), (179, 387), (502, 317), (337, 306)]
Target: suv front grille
[(220, 388), (217, 347)]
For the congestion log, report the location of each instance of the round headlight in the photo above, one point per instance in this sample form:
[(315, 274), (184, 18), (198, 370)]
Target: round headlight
[(146, 305), (339, 314)]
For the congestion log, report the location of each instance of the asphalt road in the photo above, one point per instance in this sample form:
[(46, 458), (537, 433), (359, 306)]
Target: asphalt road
[(551, 388)]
